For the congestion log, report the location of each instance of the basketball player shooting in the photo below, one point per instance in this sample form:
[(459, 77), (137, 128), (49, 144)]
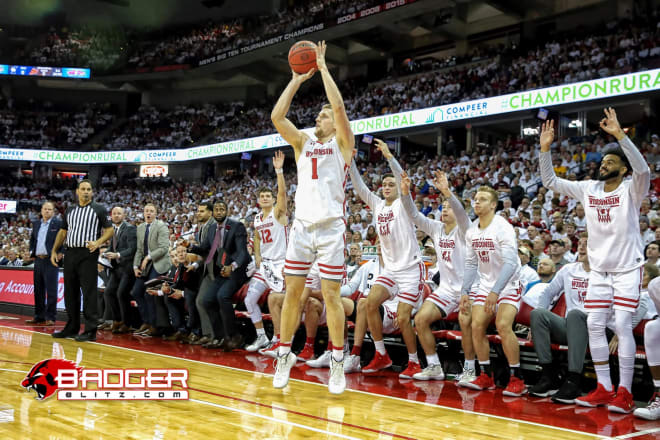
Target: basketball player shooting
[(615, 252), (318, 228)]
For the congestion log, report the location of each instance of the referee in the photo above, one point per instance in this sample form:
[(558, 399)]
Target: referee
[(85, 228)]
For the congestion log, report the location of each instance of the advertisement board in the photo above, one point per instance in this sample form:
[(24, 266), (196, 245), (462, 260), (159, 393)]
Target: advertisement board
[(17, 287)]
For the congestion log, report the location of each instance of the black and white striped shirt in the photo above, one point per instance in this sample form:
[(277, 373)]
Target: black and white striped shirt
[(84, 223)]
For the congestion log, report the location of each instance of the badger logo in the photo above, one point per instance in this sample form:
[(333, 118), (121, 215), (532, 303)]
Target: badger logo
[(42, 376)]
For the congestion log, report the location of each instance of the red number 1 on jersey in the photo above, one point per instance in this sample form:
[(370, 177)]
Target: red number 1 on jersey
[(315, 175)]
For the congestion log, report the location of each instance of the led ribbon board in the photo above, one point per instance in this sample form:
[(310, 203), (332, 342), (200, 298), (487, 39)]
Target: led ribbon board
[(638, 82)]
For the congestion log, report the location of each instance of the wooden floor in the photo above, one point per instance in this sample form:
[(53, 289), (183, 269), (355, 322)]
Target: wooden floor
[(226, 403)]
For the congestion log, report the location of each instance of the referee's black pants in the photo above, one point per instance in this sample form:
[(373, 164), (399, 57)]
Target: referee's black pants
[(80, 273)]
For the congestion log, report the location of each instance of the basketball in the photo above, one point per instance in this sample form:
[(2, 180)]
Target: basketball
[(302, 56)]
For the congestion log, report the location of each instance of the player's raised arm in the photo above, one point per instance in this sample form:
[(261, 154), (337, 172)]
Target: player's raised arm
[(284, 127), (548, 176), (280, 206), (394, 164), (641, 173), (424, 223), (344, 134), (462, 220), (360, 187)]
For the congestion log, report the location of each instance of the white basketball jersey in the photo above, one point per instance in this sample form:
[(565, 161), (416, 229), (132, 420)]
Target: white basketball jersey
[(322, 176), (450, 250), (614, 243), (398, 243), (273, 236), (486, 245), (576, 283)]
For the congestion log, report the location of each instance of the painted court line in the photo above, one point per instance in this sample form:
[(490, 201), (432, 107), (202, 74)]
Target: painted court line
[(638, 434), (14, 371), (355, 391), (273, 419)]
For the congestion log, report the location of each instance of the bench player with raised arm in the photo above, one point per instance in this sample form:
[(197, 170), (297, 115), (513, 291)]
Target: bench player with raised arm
[(318, 230), (404, 272), (615, 250), (270, 237), (448, 236)]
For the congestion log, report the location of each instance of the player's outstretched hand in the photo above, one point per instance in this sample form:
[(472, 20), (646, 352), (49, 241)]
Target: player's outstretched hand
[(302, 77), (320, 55), (384, 148), (610, 124), (405, 184), (278, 160), (547, 135), (442, 183)]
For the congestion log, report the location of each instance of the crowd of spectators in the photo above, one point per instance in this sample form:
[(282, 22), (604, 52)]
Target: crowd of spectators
[(97, 47), (45, 126), (620, 47), (627, 49), (509, 165), (193, 43)]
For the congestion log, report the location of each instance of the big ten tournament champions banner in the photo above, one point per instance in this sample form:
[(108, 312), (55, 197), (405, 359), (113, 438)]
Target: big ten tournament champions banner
[(638, 82), (17, 287), (50, 72), (306, 30)]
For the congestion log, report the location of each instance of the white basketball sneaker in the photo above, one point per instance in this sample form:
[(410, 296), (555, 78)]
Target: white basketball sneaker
[(261, 342), (322, 361), (352, 364), (284, 364), (466, 377), (337, 383), (431, 372)]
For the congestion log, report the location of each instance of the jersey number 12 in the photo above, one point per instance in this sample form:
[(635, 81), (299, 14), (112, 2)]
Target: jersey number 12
[(265, 236)]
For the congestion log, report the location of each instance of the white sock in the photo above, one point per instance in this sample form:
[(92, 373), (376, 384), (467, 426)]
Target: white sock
[(469, 364), (432, 359), (261, 332), (338, 355), (285, 349), (380, 347), (275, 339), (603, 374), (412, 357)]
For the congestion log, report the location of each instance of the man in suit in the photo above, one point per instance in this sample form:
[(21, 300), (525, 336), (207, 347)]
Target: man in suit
[(184, 286), (45, 274), (151, 260), (225, 258), (198, 321), (120, 253)]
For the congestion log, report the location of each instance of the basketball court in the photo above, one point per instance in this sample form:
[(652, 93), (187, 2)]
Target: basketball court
[(231, 396)]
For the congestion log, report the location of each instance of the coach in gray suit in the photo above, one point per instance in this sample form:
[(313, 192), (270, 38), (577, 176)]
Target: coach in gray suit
[(151, 260)]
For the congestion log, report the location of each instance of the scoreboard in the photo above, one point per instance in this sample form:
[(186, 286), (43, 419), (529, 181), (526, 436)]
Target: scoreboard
[(43, 71)]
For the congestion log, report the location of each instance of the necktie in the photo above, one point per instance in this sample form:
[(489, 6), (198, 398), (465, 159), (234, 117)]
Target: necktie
[(114, 240), (216, 244), (146, 239)]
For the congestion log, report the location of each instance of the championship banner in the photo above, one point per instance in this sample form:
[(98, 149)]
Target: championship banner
[(305, 31), (638, 82)]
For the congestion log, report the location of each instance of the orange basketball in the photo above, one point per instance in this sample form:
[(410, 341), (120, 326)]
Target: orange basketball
[(302, 56)]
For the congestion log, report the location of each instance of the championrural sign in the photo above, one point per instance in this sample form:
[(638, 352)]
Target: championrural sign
[(638, 82)]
